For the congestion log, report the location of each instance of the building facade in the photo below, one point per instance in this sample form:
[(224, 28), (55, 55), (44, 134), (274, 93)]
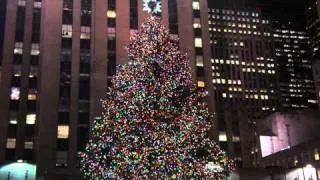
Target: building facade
[(243, 74), (313, 26), (58, 60), (291, 141), (295, 68)]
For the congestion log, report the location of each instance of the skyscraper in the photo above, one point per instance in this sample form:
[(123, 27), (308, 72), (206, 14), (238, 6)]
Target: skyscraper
[(294, 63), (243, 74), (58, 60), (313, 27), (291, 39)]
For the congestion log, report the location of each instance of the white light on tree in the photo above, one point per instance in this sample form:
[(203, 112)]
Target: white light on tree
[(152, 6), (214, 167)]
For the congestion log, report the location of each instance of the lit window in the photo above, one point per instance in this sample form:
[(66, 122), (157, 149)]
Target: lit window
[(236, 139), (21, 3), (63, 132), (316, 155), (32, 96), (85, 32), (201, 84), (196, 5), (35, 49), (224, 95), (18, 48), (66, 31), (31, 119), (37, 4), (13, 118), (62, 158), (28, 145), (199, 61), (198, 42), (11, 143), (15, 93), (222, 136), (111, 14)]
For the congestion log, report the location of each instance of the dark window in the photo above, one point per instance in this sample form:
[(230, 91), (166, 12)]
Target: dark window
[(85, 44), (31, 105), (17, 59), (33, 83), (65, 67), (196, 13), (28, 155), (84, 68), (86, 12), (16, 81), (112, 4), (200, 71), (20, 21), (12, 131), (64, 91), (111, 22), (63, 118), (67, 12), (84, 89), (10, 154), (84, 117), (173, 16), (62, 144), (85, 63), (36, 25), (83, 133), (111, 44), (66, 43), (14, 105), (133, 14), (34, 60), (111, 64), (29, 130)]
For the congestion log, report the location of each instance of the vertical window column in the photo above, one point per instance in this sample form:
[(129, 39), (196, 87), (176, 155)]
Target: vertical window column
[(15, 93), (84, 81), (111, 39), (65, 85), (198, 43)]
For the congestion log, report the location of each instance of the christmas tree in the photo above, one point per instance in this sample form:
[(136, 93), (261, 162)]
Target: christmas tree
[(155, 122)]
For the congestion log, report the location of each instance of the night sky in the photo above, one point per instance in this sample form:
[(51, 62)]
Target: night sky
[(284, 10)]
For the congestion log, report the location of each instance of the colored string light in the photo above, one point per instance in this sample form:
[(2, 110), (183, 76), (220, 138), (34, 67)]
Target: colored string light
[(155, 121)]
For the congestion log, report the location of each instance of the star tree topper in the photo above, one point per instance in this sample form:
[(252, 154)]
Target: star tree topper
[(152, 6)]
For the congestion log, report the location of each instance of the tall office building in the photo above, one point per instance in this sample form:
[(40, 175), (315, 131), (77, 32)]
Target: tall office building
[(313, 26), (243, 74), (294, 63), (59, 56), (297, 89)]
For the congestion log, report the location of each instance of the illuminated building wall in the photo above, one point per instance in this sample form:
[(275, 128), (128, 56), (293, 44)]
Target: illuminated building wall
[(281, 131), (244, 76), (58, 60)]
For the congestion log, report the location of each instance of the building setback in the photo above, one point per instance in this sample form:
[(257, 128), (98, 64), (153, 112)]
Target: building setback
[(58, 60)]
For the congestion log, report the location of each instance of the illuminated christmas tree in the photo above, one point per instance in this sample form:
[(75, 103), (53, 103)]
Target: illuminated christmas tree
[(155, 122)]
